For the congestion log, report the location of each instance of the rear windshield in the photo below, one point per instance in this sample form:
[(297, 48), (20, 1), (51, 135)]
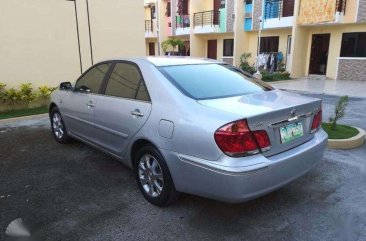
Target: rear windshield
[(211, 81)]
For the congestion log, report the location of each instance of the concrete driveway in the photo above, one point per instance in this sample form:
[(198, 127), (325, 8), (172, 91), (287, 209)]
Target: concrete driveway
[(73, 192)]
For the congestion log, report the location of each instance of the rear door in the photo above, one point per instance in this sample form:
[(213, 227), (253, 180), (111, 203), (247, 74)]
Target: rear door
[(77, 107), (123, 109)]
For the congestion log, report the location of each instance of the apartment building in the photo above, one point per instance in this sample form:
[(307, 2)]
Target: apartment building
[(324, 38), (46, 42)]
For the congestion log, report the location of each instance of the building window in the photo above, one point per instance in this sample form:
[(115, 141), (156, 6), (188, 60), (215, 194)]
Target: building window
[(153, 12), (269, 44), (228, 47), (353, 45), (222, 3)]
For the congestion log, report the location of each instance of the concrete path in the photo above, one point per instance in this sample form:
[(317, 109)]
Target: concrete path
[(330, 87)]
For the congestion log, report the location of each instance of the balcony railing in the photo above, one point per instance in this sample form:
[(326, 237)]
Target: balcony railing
[(182, 21), (341, 6), (278, 8), (149, 26), (209, 18)]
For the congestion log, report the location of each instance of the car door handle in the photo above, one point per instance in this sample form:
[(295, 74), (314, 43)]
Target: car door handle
[(137, 113), (90, 104)]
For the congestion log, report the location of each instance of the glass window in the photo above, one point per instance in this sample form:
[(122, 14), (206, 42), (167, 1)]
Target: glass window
[(269, 44), (228, 47), (142, 93), (124, 81), (353, 45), (209, 81), (93, 78)]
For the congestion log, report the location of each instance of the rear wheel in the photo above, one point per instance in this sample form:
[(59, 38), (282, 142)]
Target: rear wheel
[(58, 127), (153, 177)]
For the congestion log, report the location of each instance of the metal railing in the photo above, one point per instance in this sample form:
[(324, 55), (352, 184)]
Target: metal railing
[(207, 18), (278, 8), (149, 26), (182, 21), (341, 6)]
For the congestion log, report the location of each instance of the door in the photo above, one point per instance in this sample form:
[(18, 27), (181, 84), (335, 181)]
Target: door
[(212, 49), (216, 13), (151, 49), (319, 54), (288, 8), (123, 109), (77, 107)]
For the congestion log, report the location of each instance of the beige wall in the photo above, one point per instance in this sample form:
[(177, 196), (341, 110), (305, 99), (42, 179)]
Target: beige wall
[(253, 41), (199, 44), (38, 38)]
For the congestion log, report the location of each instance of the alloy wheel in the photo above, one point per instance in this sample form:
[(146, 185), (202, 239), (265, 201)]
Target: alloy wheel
[(151, 175), (58, 128)]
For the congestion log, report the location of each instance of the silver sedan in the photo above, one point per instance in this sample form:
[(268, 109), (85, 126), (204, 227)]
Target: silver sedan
[(191, 125)]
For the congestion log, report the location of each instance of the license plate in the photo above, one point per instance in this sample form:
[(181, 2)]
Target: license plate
[(291, 132)]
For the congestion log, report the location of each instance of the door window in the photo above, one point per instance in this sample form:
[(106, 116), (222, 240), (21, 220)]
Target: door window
[(126, 82), (93, 79)]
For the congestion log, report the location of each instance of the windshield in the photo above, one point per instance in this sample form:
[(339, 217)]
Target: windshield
[(211, 81)]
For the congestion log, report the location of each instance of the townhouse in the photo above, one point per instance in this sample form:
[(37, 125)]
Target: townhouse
[(320, 38), (46, 42)]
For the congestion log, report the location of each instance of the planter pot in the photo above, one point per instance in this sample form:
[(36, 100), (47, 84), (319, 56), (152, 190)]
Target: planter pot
[(349, 143)]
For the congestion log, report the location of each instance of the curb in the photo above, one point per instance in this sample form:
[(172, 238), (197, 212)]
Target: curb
[(350, 143), (23, 118)]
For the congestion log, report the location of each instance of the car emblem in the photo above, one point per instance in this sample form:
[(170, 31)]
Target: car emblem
[(293, 112)]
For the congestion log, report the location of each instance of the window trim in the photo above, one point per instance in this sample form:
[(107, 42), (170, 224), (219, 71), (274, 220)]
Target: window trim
[(105, 82), (88, 70)]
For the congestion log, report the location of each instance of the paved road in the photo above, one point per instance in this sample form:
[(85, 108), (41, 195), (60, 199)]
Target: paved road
[(72, 192)]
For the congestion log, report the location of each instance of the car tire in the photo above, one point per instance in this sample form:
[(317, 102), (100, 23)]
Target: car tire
[(58, 127), (153, 177)]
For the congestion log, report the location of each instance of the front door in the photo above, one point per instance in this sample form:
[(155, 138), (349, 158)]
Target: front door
[(216, 13), (78, 106), (123, 109), (319, 54), (151, 49), (212, 49)]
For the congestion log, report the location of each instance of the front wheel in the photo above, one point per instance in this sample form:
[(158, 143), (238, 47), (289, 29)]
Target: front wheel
[(153, 177), (58, 127)]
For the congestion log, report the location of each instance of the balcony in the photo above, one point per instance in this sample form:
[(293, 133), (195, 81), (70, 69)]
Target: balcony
[(278, 13), (182, 25), (150, 29), (207, 22)]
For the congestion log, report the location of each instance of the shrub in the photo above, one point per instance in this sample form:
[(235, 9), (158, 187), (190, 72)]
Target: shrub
[(173, 43), (339, 111), (244, 64), (44, 93), (26, 93), (270, 77), (2, 92)]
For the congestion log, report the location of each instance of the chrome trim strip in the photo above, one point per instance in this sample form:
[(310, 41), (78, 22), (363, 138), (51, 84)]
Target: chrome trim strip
[(290, 120)]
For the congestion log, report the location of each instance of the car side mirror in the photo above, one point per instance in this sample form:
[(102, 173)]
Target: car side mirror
[(66, 86)]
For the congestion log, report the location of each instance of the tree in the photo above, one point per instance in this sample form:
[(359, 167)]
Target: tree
[(339, 111), (173, 43)]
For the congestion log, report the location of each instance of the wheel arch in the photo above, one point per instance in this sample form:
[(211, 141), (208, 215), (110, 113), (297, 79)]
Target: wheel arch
[(137, 145), (51, 107)]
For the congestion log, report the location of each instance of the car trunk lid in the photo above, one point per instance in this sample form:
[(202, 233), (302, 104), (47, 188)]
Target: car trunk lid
[(276, 112)]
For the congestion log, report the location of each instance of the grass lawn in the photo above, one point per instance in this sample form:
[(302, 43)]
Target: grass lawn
[(23, 112), (342, 131)]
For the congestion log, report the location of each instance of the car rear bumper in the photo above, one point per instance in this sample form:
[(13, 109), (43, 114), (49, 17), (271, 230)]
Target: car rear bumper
[(240, 179)]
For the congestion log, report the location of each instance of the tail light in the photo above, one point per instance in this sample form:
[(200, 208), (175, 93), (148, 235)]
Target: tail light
[(236, 139), (317, 121)]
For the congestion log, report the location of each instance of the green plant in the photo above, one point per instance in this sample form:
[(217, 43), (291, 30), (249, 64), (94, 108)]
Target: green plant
[(26, 93), (339, 112), (12, 96), (270, 77), (244, 64), (172, 43), (2, 92), (44, 93)]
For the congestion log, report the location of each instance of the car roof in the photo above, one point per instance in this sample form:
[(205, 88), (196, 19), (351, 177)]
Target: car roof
[(171, 60)]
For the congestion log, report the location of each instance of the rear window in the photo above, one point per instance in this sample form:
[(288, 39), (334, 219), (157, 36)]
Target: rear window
[(211, 81)]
